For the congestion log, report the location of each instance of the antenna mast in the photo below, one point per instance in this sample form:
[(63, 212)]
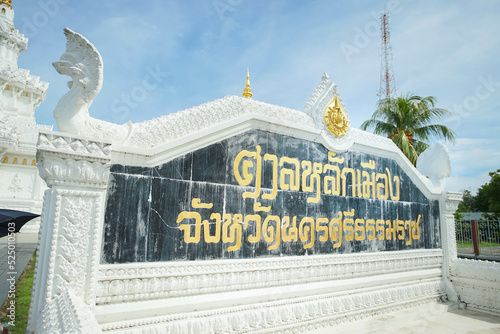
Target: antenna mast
[(387, 81)]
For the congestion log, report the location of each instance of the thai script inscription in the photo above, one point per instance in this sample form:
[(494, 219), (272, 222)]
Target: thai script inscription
[(315, 179), (275, 229)]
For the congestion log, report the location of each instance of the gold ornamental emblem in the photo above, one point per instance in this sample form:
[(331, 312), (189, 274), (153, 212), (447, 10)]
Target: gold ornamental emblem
[(336, 119)]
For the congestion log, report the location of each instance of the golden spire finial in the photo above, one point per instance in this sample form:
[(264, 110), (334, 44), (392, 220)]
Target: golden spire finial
[(247, 92), (8, 3)]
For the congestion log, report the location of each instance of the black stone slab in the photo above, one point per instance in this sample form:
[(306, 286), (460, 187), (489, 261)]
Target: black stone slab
[(143, 207)]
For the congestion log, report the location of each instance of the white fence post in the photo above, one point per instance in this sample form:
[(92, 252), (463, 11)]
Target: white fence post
[(76, 171), (448, 205)]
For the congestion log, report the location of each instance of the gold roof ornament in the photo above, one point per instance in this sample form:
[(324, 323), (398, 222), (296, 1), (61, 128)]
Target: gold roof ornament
[(247, 92), (336, 118), (7, 3)]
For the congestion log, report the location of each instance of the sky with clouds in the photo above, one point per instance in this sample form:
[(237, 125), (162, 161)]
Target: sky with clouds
[(191, 52)]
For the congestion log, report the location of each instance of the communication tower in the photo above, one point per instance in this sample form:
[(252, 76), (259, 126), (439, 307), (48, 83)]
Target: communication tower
[(387, 81)]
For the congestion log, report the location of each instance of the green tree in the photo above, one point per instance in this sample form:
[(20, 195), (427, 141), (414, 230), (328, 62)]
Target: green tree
[(491, 193), (481, 200), (407, 121), (486, 200), (467, 204)]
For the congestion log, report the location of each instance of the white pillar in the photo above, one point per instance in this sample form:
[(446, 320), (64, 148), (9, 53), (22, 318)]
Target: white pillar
[(76, 171), (448, 205)]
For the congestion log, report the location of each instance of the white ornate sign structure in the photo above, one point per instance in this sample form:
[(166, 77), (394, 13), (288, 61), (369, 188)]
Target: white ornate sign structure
[(235, 216)]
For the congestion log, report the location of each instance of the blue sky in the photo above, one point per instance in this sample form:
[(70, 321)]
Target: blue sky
[(198, 51)]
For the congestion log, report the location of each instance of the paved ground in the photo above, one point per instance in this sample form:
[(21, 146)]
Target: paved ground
[(487, 251), (434, 318), (25, 246)]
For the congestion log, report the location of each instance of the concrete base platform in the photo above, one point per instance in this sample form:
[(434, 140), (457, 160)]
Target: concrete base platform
[(443, 318)]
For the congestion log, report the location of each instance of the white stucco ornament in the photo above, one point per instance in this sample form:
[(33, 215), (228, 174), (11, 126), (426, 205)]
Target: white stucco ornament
[(327, 110), (67, 313), (435, 163), (8, 135)]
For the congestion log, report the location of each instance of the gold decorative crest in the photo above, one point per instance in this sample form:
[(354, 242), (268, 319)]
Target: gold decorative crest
[(336, 119)]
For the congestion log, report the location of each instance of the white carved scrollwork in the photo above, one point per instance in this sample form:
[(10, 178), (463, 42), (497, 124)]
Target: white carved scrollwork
[(72, 145), (315, 107), (297, 315), (64, 159), (170, 127), (74, 245), (54, 169), (67, 314), (320, 88), (145, 282)]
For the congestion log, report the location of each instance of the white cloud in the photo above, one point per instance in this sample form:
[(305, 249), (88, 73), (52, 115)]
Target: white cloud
[(472, 159), (472, 183)]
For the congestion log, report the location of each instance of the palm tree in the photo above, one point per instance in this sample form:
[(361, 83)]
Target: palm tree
[(406, 121)]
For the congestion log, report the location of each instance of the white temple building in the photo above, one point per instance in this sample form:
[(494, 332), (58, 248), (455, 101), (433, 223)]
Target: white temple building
[(20, 94)]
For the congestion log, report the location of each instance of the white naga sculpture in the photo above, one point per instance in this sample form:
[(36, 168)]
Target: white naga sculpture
[(83, 63)]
